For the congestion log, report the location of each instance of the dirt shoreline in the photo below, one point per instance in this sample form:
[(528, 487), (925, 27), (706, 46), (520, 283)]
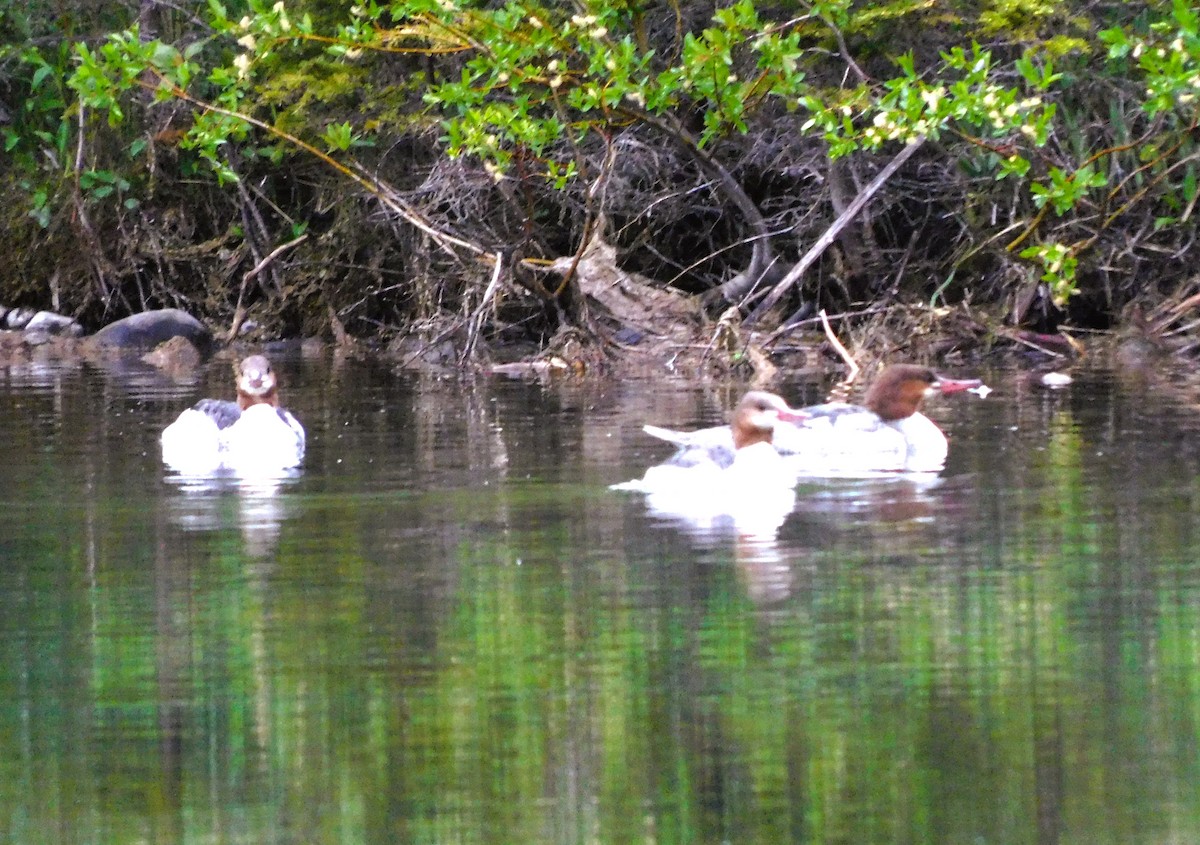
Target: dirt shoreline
[(718, 350)]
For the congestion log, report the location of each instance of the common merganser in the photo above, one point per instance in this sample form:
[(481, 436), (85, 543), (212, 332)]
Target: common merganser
[(250, 434), (888, 433), (743, 483), (756, 419)]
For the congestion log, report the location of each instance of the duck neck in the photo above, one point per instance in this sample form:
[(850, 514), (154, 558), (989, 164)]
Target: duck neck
[(270, 397), (743, 436)]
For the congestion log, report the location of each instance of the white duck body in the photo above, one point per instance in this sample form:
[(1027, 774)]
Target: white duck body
[(847, 440), (263, 438), (192, 444), (751, 497)]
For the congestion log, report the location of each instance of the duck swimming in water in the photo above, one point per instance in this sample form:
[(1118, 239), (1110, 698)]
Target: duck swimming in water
[(737, 480), (250, 434), (887, 433)]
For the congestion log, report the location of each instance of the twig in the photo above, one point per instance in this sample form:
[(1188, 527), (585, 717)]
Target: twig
[(835, 229), (1184, 329), (1043, 349), (1177, 311), (845, 50), (841, 350), (239, 313), (789, 327), (477, 319), (1186, 349)]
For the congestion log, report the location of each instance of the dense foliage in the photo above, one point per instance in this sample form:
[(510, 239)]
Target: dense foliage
[(370, 167)]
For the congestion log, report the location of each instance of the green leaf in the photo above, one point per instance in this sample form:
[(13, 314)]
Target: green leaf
[(39, 76)]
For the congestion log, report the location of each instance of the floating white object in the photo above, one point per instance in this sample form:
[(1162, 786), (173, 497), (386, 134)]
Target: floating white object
[(1056, 379)]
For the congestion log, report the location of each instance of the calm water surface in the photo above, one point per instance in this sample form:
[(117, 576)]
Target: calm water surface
[(447, 629)]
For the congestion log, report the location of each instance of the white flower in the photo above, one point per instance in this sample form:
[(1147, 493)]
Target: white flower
[(932, 97), (494, 171), (242, 63), (247, 41)]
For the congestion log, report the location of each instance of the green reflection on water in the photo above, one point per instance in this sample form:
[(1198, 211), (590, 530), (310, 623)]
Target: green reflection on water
[(529, 661)]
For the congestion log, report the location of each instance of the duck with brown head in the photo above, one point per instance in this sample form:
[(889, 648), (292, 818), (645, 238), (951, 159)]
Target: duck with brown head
[(729, 476), (887, 433), (253, 432), (755, 420)]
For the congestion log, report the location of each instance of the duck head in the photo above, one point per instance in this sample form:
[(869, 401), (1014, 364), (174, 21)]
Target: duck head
[(900, 389), (756, 416), (256, 382)]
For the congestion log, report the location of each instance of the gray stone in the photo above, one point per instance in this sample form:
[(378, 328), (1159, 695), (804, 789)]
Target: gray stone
[(150, 328), (51, 323), (17, 318)]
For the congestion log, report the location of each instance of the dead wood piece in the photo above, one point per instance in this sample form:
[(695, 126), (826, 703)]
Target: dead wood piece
[(539, 368), (630, 299), (830, 235)]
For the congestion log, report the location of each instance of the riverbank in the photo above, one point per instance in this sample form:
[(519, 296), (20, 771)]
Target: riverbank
[(952, 338)]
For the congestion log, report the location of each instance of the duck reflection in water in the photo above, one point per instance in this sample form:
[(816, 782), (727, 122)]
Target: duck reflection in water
[(236, 453), (217, 503)]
